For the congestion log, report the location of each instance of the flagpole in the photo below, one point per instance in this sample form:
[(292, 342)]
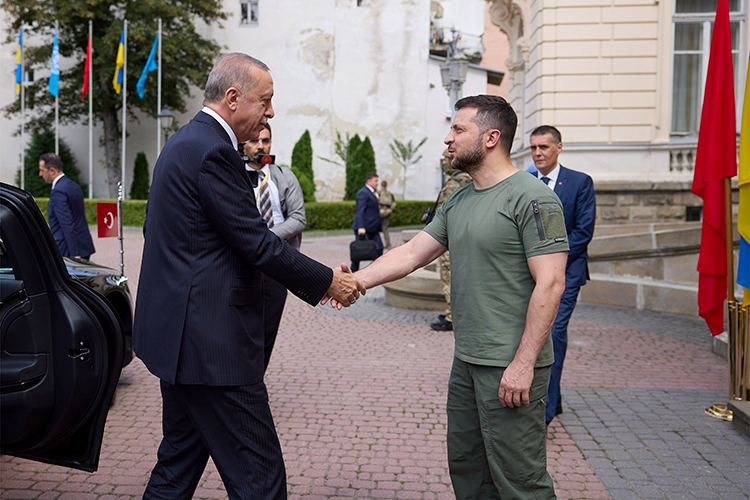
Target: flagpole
[(23, 115), (90, 55), (57, 110), (158, 99), (124, 94)]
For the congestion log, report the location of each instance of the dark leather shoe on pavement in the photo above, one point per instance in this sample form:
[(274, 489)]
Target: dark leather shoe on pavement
[(441, 316), (442, 325)]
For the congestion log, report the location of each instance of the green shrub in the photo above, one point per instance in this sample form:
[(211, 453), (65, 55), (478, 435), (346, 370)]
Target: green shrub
[(328, 216), (43, 141), (302, 159), (140, 186), (352, 168)]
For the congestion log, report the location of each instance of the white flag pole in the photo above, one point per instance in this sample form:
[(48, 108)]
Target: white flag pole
[(124, 96), (57, 108), (158, 99), (23, 115), (91, 111)]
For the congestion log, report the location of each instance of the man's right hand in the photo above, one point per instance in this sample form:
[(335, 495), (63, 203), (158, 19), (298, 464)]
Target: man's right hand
[(344, 289), (361, 230)]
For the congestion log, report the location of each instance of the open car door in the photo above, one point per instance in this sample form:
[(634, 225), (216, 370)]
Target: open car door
[(62, 346)]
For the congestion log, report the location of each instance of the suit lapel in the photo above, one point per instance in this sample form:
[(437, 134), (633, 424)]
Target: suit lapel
[(562, 181)]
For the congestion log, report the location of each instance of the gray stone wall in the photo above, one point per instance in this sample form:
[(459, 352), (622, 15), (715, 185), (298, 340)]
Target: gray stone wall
[(639, 201)]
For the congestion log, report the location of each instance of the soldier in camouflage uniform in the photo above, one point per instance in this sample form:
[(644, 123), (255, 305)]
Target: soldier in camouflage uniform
[(457, 179)]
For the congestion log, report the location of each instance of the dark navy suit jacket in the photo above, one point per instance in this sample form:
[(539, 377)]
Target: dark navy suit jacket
[(368, 211), (576, 192), (199, 312), (67, 219)]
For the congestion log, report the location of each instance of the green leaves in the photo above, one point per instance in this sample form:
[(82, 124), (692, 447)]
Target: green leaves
[(404, 155)]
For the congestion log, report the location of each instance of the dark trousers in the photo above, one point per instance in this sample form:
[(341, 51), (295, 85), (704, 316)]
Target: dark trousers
[(370, 236), (234, 426), (560, 346), (274, 299)]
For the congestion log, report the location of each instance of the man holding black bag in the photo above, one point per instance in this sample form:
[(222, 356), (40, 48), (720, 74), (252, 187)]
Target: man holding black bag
[(367, 219)]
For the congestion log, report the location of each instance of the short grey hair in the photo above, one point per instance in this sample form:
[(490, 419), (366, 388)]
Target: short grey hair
[(231, 70)]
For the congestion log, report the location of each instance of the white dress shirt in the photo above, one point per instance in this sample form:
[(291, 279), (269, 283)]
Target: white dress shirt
[(552, 176)]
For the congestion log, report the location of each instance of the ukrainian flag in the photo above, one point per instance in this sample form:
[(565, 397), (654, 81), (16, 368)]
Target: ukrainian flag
[(19, 61), (743, 180), (119, 63)]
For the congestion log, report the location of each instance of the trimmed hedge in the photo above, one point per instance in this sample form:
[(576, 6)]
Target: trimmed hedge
[(329, 216)]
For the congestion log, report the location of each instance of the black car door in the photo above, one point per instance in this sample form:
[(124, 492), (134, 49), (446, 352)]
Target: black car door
[(62, 346)]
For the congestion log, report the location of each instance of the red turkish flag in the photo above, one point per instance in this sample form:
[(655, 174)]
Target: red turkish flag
[(716, 159), (106, 220), (86, 67)]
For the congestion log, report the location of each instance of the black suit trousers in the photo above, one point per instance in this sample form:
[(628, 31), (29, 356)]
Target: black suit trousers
[(274, 298), (231, 424)]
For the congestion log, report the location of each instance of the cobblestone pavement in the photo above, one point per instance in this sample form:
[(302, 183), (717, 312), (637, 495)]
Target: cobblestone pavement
[(358, 397)]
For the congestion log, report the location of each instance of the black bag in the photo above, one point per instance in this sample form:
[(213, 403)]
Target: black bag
[(363, 249)]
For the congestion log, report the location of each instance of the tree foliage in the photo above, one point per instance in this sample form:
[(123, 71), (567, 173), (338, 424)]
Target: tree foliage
[(352, 167), (302, 158), (43, 141), (188, 58), (139, 188), (363, 162), (404, 155)]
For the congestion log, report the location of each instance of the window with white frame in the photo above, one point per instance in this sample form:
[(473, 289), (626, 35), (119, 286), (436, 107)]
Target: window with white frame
[(693, 25), (248, 11)]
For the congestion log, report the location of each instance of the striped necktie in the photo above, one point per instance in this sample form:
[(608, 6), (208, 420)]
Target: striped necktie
[(264, 199)]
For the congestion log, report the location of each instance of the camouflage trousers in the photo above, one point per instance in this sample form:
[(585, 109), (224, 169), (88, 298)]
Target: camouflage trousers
[(444, 263)]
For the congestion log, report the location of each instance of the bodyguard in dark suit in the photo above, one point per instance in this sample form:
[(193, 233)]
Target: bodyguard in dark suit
[(199, 314), (576, 192), (367, 218), (65, 210)]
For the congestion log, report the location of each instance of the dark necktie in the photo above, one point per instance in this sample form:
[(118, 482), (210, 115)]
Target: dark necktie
[(264, 200), (546, 180), (253, 174)]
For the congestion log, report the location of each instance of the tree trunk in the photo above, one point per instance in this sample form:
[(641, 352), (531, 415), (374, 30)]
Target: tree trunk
[(112, 146)]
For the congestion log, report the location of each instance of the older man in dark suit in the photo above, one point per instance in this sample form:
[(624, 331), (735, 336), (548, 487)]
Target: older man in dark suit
[(576, 192), (367, 218), (65, 211), (199, 314)]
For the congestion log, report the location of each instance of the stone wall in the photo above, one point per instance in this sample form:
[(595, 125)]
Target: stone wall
[(635, 202)]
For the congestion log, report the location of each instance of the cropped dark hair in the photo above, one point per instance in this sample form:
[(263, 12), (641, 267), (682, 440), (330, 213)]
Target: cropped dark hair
[(231, 70), (493, 112), (268, 127), (548, 129), (52, 160), (370, 175)]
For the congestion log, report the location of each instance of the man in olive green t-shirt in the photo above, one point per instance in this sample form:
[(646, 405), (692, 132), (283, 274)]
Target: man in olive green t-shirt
[(508, 249)]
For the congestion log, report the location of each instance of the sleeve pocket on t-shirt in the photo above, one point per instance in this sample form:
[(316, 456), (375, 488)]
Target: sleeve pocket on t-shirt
[(553, 220), (550, 221)]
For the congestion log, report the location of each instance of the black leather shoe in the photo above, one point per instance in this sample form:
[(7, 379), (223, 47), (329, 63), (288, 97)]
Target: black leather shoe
[(441, 316), (442, 325), (558, 409)]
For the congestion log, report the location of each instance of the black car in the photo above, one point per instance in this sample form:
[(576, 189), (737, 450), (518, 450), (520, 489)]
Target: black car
[(65, 335)]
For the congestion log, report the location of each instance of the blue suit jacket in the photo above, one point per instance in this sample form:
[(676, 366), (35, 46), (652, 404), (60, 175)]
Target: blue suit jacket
[(368, 211), (576, 192), (67, 219), (199, 312)]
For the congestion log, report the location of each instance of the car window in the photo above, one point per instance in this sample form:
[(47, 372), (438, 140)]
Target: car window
[(6, 270)]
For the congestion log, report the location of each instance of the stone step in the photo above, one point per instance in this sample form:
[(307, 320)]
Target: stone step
[(422, 289), (641, 293)]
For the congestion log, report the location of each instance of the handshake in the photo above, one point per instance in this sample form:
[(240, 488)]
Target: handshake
[(345, 289)]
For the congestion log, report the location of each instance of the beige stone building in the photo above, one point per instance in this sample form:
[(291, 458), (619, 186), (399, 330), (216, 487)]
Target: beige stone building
[(623, 80)]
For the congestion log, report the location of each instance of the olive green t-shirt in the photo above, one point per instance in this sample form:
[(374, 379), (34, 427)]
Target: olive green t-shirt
[(490, 233)]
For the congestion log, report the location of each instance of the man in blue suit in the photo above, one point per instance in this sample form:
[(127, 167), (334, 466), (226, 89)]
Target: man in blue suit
[(199, 313), (576, 192), (367, 219), (65, 210)]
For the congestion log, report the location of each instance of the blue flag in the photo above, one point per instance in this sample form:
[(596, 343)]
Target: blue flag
[(54, 76), (148, 68), (19, 61)]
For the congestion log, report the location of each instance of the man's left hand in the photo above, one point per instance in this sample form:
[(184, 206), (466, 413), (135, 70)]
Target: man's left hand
[(515, 385)]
